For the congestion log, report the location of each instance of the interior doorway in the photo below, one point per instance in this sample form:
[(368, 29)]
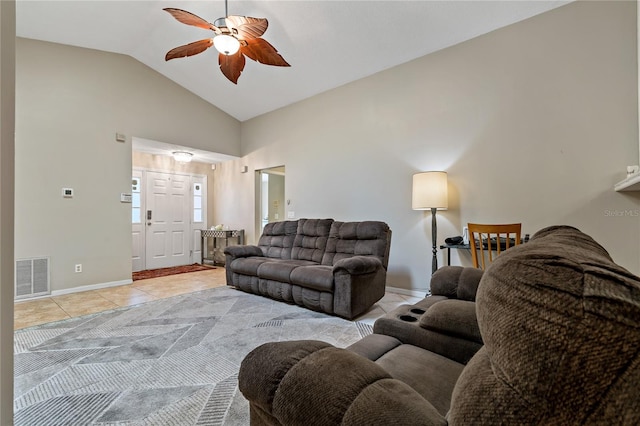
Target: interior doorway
[(168, 212), (270, 198)]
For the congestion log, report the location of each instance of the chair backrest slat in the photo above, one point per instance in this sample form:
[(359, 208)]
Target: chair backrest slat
[(498, 238)]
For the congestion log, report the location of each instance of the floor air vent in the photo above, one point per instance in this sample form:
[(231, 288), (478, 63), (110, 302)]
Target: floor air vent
[(32, 277)]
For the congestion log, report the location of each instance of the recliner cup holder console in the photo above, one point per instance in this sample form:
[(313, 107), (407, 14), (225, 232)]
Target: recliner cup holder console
[(418, 311)]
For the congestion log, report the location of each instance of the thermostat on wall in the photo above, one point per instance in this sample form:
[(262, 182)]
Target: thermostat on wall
[(125, 198), (67, 192)]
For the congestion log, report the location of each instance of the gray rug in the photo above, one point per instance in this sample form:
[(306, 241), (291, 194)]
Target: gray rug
[(169, 362)]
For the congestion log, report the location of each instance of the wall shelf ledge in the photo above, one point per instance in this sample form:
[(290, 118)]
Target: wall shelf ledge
[(631, 183)]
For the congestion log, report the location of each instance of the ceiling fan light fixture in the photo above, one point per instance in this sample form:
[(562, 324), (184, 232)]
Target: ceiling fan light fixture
[(182, 156), (226, 44)]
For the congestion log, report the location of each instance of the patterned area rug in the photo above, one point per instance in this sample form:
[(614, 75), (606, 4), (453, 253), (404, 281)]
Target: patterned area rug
[(163, 272), (169, 362)]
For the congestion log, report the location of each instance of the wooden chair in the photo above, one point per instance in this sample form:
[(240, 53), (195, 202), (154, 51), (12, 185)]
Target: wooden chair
[(491, 238)]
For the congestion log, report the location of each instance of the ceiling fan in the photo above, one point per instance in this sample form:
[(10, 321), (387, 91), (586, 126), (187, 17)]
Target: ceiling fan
[(235, 37)]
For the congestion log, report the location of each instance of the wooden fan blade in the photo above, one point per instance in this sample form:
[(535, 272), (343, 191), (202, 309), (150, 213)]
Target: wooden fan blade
[(261, 51), (189, 49), (191, 19), (246, 27), (231, 65)]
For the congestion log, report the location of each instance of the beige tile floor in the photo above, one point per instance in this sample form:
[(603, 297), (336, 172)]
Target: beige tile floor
[(56, 308)]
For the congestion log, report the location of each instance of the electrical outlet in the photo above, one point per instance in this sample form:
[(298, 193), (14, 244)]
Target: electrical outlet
[(78, 267), (291, 215)]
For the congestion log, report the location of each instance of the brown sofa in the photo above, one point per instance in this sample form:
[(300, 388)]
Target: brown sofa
[(561, 331), (339, 268)]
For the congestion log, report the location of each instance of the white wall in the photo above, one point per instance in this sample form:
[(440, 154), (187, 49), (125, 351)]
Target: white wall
[(70, 104), (7, 118), (534, 122)]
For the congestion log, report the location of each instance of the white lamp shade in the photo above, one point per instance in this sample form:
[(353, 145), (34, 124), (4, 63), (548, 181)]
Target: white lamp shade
[(430, 191), (226, 44)]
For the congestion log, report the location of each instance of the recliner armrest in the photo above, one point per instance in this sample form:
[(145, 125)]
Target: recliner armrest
[(358, 265), (313, 383), (453, 317), (243, 251)]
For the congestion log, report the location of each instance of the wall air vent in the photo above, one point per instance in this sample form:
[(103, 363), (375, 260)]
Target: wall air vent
[(32, 277)]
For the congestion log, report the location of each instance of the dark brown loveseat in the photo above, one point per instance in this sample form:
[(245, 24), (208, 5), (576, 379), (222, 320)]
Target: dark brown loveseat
[(339, 268), (560, 323)]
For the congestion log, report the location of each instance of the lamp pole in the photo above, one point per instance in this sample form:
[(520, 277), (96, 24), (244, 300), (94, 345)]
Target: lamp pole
[(434, 233)]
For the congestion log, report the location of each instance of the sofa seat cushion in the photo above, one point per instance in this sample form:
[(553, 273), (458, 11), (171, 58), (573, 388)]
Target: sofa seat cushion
[(431, 375), (281, 270), (453, 317), (248, 265), (317, 277)]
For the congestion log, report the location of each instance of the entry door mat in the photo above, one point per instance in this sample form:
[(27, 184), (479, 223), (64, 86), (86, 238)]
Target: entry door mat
[(173, 361), (163, 272)]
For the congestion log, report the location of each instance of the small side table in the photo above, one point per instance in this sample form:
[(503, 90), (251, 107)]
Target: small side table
[(456, 247), (238, 234)]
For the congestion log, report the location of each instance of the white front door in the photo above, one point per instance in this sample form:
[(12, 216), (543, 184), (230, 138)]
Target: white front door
[(167, 220)]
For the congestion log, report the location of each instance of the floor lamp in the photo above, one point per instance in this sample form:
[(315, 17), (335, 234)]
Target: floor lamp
[(430, 193)]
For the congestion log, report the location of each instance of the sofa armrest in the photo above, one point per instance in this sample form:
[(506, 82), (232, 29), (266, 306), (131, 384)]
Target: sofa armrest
[(313, 383), (456, 282), (243, 251), (359, 282), (358, 265)]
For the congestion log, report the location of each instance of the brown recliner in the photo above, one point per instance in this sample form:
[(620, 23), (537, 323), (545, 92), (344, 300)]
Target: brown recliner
[(560, 323)]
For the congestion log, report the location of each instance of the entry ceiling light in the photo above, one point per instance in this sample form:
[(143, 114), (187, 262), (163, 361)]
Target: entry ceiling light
[(235, 38), (182, 156)]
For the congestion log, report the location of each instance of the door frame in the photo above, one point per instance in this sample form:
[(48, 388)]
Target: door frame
[(194, 227), (260, 197)]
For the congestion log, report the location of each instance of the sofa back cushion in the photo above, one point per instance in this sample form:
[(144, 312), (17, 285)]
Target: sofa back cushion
[(277, 239), (311, 239), (456, 282), (559, 321), (348, 239)]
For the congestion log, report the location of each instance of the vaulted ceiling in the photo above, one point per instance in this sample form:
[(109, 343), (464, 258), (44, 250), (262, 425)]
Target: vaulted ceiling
[(328, 43)]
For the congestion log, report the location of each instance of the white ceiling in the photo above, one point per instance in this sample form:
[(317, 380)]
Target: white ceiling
[(328, 43)]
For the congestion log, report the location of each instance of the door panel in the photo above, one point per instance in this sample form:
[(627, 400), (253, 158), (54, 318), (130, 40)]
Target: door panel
[(168, 227)]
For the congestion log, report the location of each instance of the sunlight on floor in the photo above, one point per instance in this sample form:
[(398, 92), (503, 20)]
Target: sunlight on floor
[(55, 308)]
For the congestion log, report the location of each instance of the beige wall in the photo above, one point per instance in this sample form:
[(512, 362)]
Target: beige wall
[(534, 122), (7, 118), (70, 104)]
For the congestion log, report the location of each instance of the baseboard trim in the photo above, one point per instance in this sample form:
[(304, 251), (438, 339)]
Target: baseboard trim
[(90, 287), (405, 292)]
